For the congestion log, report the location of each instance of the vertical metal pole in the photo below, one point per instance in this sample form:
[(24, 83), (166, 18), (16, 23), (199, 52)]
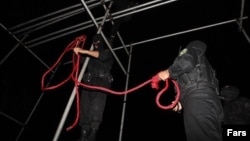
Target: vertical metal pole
[(125, 96), (241, 13), (240, 23)]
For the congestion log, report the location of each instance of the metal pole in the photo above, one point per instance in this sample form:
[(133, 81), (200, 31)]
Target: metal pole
[(30, 27), (241, 13), (179, 33), (244, 33), (79, 27), (105, 39), (11, 118), (125, 96), (37, 102), (21, 43), (13, 49), (72, 96)]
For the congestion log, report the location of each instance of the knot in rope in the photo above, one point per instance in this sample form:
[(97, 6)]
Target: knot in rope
[(155, 82)]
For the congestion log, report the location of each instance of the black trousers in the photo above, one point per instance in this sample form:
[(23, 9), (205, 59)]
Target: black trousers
[(203, 115), (92, 102)]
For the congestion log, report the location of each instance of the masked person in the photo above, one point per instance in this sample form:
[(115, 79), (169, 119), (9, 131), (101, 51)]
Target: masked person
[(236, 107), (199, 97), (92, 102)]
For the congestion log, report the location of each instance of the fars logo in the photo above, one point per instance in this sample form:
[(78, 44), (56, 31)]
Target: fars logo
[(231, 132)]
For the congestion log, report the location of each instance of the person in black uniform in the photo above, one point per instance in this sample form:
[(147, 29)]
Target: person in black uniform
[(92, 102), (236, 107), (202, 109)]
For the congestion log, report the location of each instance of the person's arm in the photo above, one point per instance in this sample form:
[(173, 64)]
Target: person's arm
[(183, 63), (92, 53)]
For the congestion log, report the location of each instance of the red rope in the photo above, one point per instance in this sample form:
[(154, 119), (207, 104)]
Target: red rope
[(171, 106), (79, 41), (74, 75)]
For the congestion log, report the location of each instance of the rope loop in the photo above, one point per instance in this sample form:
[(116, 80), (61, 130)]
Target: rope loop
[(155, 85)]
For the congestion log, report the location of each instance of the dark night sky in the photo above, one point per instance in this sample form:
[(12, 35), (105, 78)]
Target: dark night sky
[(21, 72)]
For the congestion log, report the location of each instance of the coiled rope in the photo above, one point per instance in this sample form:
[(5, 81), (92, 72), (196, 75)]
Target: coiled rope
[(80, 41)]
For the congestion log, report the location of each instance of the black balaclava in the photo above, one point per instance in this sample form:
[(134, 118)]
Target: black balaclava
[(98, 40)]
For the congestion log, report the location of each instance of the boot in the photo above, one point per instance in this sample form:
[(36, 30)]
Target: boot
[(92, 134)]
